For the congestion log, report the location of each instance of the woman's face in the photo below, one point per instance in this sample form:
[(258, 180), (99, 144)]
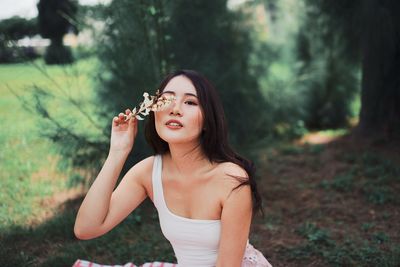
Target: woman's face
[(182, 121)]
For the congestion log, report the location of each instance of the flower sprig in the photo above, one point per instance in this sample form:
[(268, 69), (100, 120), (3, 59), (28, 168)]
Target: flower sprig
[(150, 103)]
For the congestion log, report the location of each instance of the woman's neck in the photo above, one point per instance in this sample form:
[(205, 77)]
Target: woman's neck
[(187, 158)]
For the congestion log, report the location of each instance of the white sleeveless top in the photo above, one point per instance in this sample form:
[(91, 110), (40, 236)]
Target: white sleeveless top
[(195, 242)]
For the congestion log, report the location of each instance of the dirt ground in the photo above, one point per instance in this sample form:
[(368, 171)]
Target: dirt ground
[(291, 182)]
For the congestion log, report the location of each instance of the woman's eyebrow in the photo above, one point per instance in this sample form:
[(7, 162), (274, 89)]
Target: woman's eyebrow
[(173, 93)]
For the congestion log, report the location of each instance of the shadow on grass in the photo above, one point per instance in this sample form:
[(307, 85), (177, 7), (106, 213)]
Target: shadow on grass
[(137, 239)]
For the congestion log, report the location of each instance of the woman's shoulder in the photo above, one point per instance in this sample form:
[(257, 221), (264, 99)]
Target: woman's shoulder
[(143, 169), (141, 173), (145, 163), (231, 169), (229, 175)]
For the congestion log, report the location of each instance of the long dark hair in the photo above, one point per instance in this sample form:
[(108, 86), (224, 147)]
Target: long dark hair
[(214, 137)]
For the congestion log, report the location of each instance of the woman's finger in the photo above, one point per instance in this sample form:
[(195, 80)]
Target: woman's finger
[(135, 129), (121, 117), (133, 121), (115, 121)]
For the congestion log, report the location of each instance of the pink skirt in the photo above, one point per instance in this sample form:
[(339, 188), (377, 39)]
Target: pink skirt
[(252, 258)]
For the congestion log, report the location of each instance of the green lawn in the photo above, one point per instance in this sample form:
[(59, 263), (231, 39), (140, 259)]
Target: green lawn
[(29, 168)]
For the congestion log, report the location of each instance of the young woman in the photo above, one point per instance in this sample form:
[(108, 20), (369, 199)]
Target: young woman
[(205, 193)]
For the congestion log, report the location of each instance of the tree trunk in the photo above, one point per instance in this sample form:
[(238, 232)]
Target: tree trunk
[(380, 96), (57, 53)]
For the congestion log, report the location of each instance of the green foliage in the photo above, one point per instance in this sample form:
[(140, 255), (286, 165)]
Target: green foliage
[(69, 117), (314, 234), (331, 75), (83, 52), (145, 40), (273, 62), (10, 53), (62, 95), (380, 179), (378, 194), (372, 175), (11, 30), (350, 252), (28, 161), (220, 47), (380, 237), (367, 226), (132, 55), (16, 28), (341, 183), (75, 180)]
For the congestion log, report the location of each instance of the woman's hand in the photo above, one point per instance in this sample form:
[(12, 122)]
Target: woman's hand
[(123, 133)]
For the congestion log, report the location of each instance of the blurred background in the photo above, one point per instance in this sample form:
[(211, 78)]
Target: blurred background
[(311, 91)]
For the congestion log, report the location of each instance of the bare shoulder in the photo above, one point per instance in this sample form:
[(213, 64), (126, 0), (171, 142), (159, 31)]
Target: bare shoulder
[(232, 169), (230, 176), (142, 170), (146, 163)]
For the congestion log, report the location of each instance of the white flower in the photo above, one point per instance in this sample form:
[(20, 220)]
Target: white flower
[(150, 103)]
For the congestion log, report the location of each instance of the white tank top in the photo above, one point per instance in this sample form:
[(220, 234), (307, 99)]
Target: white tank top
[(195, 242)]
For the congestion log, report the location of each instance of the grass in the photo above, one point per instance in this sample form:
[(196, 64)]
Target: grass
[(375, 177), (350, 252), (53, 244), (336, 203), (28, 162)]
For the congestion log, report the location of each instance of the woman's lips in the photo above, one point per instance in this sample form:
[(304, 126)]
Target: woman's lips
[(174, 124)]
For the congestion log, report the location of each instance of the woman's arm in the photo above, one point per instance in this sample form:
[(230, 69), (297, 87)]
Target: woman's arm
[(235, 223), (103, 208)]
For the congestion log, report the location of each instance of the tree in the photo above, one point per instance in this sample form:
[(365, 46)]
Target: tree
[(370, 31), (56, 18), (11, 30), (16, 28), (380, 99), (207, 36), (133, 56), (144, 40), (331, 71)]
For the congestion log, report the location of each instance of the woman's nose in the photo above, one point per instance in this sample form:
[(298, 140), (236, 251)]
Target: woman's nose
[(176, 108)]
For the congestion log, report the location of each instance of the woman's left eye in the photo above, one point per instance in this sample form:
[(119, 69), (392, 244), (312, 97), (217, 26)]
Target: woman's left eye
[(191, 102)]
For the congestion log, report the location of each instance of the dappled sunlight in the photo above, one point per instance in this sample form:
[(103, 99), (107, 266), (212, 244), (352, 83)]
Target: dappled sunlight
[(321, 137)]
